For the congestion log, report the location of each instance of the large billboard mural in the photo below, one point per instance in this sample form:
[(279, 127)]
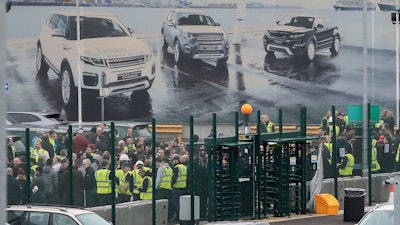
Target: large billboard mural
[(188, 61)]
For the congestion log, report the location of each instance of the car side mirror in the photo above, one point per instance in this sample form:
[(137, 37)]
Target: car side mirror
[(319, 26), (170, 23), (217, 24), (130, 30), (58, 33), (277, 22)]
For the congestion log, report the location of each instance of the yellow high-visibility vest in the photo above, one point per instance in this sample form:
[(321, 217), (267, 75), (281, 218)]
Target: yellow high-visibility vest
[(348, 170), (102, 181), (122, 183), (148, 194), (167, 177), (137, 181), (182, 176)]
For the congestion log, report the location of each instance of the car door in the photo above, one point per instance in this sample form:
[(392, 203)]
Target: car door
[(39, 218), (46, 36), (61, 219), (170, 27), (322, 33), (61, 45)]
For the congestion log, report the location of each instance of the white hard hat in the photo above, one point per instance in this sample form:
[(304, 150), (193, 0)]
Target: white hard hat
[(124, 157), (139, 162)]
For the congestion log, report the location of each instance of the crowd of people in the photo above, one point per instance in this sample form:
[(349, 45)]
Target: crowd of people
[(49, 173), (384, 145)]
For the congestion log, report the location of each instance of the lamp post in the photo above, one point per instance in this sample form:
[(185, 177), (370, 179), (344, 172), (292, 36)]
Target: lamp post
[(246, 110)]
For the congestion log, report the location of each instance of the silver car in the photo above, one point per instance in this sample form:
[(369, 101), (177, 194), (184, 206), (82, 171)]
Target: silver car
[(193, 34), (43, 215), (381, 214)]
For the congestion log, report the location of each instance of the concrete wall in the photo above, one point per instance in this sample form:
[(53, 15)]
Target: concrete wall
[(379, 192), (140, 212), (135, 213)]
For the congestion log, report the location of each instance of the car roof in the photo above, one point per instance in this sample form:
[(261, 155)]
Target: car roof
[(83, 13), (50, 209), (384, 207), (108, 123), (304, 15), (197, 11)]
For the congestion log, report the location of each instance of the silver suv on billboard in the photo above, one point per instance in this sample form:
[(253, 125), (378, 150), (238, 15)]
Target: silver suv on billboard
[(193, 34)]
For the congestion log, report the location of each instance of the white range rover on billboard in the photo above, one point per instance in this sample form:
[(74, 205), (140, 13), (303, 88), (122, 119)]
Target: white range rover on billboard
[(111, 58)]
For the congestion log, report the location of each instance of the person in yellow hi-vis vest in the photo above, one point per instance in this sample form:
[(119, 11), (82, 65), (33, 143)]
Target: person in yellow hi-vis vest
[(163, 183), (103, 182), (179, 182), (146, 187), (346, 166), (137, 180), (123, 190), (375, 166)]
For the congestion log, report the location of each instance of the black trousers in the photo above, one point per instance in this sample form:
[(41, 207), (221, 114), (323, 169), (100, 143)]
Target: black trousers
[(166, 194)]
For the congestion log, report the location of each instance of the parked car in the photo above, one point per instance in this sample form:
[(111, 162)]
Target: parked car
[(193, 34), (138, 128), (51, 215), (302, 36), (18, 133), (381, 214), (111, 58), (42, 119)]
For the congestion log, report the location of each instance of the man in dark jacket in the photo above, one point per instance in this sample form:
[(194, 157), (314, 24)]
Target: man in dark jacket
[(89, 184), (39, 187), (13, 190), (51, 178)]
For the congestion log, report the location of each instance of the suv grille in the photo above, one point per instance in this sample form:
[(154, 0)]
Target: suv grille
[(279, 34), (209, 37), (126, 61)]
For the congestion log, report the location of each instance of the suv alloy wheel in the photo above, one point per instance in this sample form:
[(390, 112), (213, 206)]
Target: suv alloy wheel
[(41, 66), (68, 89), (310, 53)]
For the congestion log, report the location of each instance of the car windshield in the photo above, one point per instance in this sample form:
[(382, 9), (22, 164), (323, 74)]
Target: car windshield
[(195, 19), (93, 27), (297, 21), (378, 217), (91, 218)]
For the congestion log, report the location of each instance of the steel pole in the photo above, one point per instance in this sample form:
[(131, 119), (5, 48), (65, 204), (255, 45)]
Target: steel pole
[(365, 95), (3, 180), (78, 60), (397, 65), (237, 33)]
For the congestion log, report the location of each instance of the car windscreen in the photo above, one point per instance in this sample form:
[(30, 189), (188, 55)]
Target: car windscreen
[(94, 27), (378, 217), (91, 218), (195, 19), (297, 21)]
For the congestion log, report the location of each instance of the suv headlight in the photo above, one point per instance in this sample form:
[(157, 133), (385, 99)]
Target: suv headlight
[(93, 61), (188, 35), (225, 36), (300, 35), (148, 56)]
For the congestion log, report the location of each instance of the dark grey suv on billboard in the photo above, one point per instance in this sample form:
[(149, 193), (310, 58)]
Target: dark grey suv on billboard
[(193, 34), (303, 36)]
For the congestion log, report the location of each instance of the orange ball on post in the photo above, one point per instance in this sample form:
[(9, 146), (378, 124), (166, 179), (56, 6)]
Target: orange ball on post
[(246, 109)]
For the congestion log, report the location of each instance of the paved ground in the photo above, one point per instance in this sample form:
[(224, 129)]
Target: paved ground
[(307, 219)]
